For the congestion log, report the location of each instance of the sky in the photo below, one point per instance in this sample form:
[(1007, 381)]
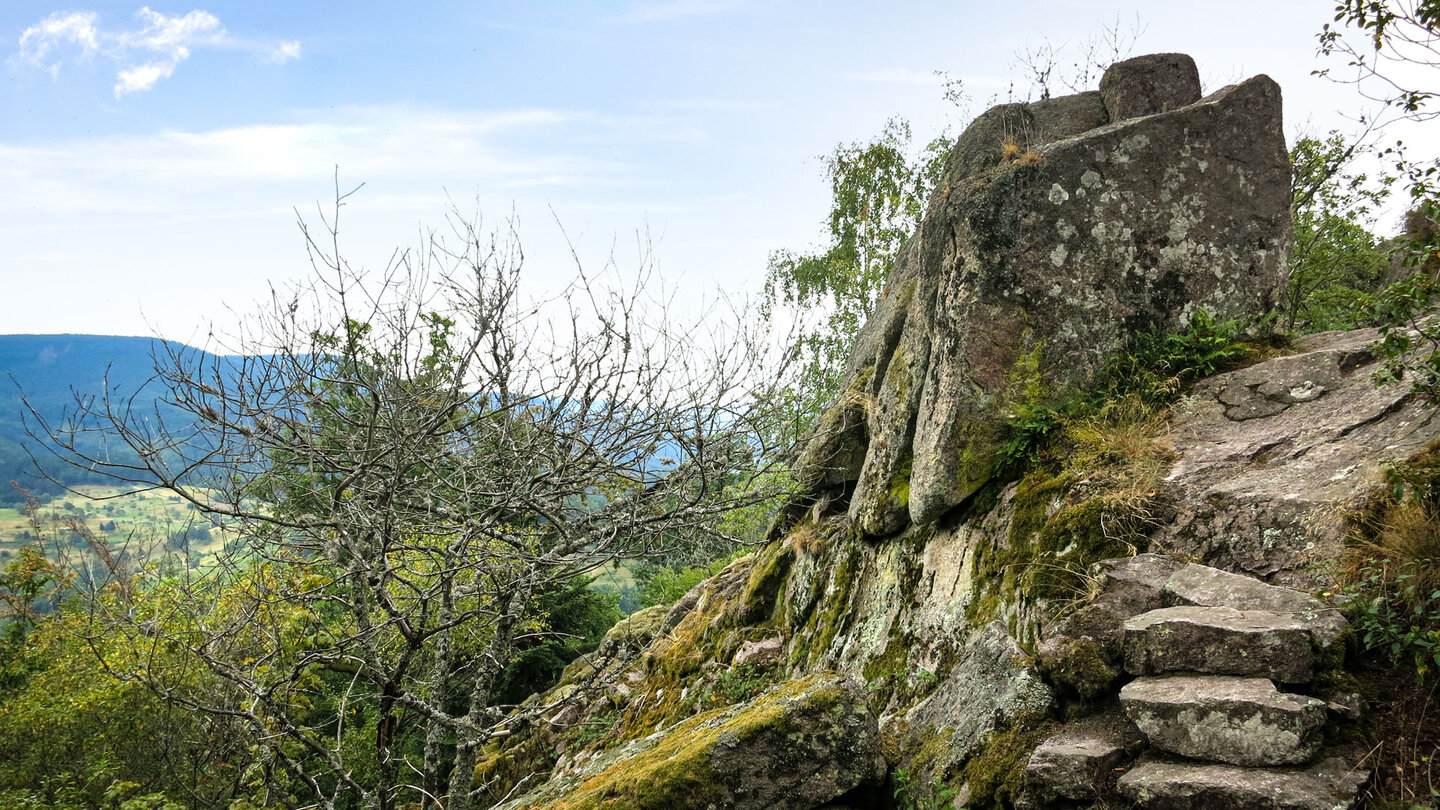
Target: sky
[(153, 158)]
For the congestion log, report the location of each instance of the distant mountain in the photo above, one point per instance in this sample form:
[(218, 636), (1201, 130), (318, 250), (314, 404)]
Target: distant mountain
[(49, 371)]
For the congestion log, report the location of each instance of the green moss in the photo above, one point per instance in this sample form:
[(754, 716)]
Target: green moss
[(1080, 666), (677, 771), (923, 753), (1335, 682), (1054, 538), (1026, 383), (834, 608), (898, 491), (502, 766), (767, 579), (996, 775)]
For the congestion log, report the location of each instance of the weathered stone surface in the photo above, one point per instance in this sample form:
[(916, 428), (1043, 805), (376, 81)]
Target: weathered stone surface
[(991, 687), (797, 746), (762, 653), (1219, 641), (1023, 126), (1150, 84), (1078, 763), (1329, 785), (1083, 652), (1026, 274), (1265, 495), (1203, 586), (1242, 721), (1066, 117)]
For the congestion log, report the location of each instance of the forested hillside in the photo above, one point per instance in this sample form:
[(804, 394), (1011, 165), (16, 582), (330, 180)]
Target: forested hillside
[(41, 375)]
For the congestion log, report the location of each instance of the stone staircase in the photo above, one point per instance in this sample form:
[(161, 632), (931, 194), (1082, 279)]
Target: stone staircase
[(1216, 715)]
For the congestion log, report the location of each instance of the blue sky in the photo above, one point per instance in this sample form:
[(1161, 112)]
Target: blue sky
[(151, 157)]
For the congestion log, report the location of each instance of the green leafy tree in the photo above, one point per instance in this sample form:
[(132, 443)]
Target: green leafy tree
[(1336, 260), (1394, 62), (1396, 38), (878, 193)]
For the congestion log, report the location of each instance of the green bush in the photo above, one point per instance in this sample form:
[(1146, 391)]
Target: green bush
[(1394, 613)]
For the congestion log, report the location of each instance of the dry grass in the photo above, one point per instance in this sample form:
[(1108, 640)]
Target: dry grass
[(1407, 534), (1117, 453), (807, 539), (1012, 152)]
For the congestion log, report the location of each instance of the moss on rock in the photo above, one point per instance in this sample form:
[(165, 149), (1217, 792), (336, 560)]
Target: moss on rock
[(996, 776), (797, 746)]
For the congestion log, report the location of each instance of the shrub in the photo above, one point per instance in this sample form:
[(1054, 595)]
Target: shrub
[(1391, 586)]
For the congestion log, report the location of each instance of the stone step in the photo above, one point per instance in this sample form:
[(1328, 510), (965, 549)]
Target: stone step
[(1219, 641), (1203, 586), (1240, 721), (1077, 763), (1328, 785)]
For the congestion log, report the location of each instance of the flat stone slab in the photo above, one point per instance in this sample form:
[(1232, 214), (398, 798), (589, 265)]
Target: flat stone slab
[(1078, 762), (1329, 785), (1240, 721), (1219, 641), (1203, 586)]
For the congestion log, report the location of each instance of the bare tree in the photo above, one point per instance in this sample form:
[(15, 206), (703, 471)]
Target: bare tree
[(1076, 66), (409, 459)]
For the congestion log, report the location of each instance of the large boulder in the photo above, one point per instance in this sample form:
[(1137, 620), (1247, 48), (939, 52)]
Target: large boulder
[(1151, 84), (797, 747), (1037, 260)]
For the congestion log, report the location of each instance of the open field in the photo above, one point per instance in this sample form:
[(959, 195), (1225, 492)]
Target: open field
[(146, 517)]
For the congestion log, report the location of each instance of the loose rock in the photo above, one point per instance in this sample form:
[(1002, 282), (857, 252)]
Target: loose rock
[(1330, 785), (1219, 641), (1241, 721), (1078, 763)]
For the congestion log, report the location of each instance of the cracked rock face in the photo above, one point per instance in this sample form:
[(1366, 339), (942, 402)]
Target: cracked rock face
[(1271, 456), (1028, 272)]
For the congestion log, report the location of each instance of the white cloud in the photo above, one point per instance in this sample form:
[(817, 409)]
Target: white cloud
[(61, 28), (285, 51), (144, 55), (142, 78)]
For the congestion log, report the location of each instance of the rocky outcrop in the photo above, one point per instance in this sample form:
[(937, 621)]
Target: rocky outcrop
[(1035, 642), (1050, 242)]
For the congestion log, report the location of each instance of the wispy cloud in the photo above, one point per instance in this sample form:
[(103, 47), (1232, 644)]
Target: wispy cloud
[(143, 55), (662, 10)]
